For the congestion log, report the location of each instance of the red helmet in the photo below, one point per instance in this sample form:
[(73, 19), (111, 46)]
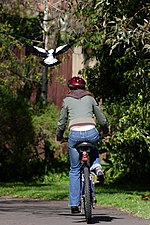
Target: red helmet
[(76, 83)]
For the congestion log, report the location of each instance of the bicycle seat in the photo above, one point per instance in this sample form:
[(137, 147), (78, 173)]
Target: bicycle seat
[(84, 145)]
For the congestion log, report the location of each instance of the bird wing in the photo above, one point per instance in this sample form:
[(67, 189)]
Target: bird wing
[(37, 50), (62, 49)]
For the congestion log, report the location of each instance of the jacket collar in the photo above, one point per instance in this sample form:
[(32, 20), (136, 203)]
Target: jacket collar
[(79, 93)]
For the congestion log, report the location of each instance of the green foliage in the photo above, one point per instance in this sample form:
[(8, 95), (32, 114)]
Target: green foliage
[(18, 70), (118, 38), (27, 140), (22, 20), (17, 76), (16, 136), (34, 149), (129, 141), (117, 34), (46, 119), (45, 124)]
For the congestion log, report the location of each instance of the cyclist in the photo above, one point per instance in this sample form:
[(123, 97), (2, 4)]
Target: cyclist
[(79, 106)]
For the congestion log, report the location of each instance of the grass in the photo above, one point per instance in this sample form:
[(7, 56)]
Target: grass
[(127, 198), (52, 188)]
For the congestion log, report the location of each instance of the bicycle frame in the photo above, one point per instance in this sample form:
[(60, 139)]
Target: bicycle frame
[(87, 184)]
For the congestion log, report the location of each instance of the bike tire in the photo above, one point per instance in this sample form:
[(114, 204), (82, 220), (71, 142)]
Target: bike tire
[(87, 196)]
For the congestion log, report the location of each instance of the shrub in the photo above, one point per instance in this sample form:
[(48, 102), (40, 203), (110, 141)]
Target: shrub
[(129, 142), (54, 155), (16, 136)]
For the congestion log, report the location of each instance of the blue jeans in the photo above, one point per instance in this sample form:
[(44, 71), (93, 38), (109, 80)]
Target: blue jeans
[(74, 175)]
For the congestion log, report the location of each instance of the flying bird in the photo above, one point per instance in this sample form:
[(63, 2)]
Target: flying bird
[(49, 55)]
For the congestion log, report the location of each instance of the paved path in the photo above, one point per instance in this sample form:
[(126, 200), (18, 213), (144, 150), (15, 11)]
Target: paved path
[(44, 212)]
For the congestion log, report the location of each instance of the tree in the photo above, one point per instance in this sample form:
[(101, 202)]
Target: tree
[(117, 36), (17, 70), (19, 73), (35, 23), (117, 32)]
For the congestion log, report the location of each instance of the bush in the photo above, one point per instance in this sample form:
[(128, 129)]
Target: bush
[(54, 155), (130, 140), (16, 136), (28, 149)]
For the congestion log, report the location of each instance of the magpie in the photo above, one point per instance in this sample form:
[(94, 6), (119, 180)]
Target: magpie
[(49, 55)]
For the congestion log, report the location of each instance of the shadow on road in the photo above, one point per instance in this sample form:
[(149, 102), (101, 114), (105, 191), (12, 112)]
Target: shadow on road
[(102, 218), (45, 212), (97, 218)]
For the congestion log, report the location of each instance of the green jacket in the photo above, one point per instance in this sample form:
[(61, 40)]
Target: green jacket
[(79, 106)]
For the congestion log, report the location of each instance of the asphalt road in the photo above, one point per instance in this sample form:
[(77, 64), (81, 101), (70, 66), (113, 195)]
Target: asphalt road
[(44, 212)]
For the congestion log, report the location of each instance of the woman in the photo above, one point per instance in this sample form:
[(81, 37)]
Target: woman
[(79, 106)]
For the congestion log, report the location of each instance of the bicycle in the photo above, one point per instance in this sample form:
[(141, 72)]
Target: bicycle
[(87, 180)]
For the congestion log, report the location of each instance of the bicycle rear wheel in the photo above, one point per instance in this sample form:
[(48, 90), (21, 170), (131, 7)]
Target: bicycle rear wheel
[(87, 196)]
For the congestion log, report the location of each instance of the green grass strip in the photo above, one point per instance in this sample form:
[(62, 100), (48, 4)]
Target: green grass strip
[(127, 198)]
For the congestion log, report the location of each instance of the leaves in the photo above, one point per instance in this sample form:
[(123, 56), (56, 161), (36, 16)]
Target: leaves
[(118, 34)]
